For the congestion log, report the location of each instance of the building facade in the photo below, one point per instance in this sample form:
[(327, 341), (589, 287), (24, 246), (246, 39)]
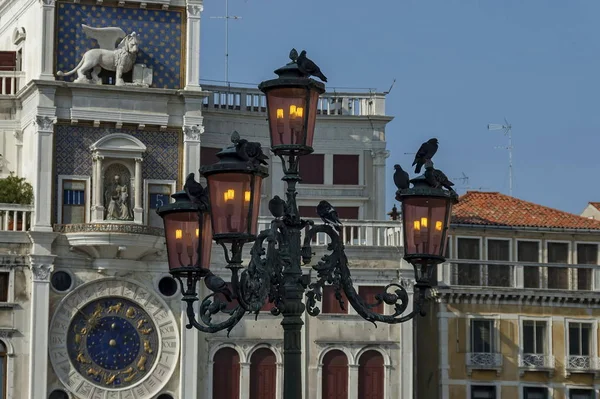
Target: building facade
[(517, 312), (87, 308)]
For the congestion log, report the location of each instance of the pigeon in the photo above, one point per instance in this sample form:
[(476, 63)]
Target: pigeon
[(401, 179), (293, 55), (277, 207), (217, 285), (250, 151), (328, 214), (194, 190), (308, 67), (436, 177), (425, 153)]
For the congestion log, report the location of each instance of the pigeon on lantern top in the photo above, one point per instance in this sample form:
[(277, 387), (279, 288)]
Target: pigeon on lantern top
[(217, 285), (308, 67), (401, 179), (195, 192), (425, 153), (329, 215), (277, 207), (436, 178), (248, 151)]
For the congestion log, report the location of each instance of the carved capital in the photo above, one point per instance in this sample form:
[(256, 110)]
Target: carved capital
[(139, 160), (48, 3), (18, 134), (193, 132), (379, 156), (97, 157), (194, 10), (41, 271), (45, 123), (408, 284)]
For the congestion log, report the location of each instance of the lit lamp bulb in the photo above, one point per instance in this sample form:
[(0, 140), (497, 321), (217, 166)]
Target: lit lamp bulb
[(247, 196), (417, 232), (229, 195), (293, 110), (424, 223), (438, 226), (299, 112), (197, 233), (280, 126), (179, 241)]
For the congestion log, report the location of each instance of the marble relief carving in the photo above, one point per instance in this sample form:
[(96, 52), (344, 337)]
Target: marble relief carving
[(117, 193)]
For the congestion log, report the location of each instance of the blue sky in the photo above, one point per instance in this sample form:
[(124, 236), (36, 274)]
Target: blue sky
[(458, 65)]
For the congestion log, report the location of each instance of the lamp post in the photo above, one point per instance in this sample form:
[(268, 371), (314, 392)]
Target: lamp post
[(275, 275)]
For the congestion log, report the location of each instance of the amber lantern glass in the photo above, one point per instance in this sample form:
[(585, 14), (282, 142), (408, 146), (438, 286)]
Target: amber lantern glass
[(188, 234), (234, 202)]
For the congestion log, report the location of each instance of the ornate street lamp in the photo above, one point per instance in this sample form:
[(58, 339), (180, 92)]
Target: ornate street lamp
[(275, 275)]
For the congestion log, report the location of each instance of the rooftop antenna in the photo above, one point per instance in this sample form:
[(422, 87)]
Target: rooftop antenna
[(464, 179), (507, 129), (227, 17)]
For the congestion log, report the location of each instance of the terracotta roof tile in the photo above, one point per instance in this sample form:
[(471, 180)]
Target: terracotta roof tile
[(595, 205), (495, 209)]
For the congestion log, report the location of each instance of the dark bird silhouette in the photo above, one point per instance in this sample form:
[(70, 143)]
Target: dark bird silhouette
[(194, 190), (425, 153), (401, 179), (277, 206), (308, 67), (248, 151), (217, 285), (293, 55), (436, 177), (329, 215)]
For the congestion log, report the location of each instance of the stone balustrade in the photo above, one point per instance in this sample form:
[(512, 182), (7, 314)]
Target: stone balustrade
[(11, 82), (249, 100), (15, 217)]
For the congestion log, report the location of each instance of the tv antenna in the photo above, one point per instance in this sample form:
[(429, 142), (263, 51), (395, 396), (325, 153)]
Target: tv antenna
[(507, 129), (227, 17), (464, 179)]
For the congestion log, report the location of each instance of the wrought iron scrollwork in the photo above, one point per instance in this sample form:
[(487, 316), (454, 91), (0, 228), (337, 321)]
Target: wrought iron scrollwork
[(333, 270)]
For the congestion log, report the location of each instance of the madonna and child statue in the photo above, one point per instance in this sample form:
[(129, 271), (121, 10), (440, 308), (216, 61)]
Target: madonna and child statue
[(117, 200)]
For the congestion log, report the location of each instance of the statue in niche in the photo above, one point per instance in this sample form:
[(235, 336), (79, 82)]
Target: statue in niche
[(120, 59), (117, 201)]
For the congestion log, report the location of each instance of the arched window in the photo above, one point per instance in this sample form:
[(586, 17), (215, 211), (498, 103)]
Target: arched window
[(335, 375), (3, 369), (263, 374), (226, 374), (370, 375)]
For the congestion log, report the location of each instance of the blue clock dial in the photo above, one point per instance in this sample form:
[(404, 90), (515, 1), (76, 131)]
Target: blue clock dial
[(112, 342)]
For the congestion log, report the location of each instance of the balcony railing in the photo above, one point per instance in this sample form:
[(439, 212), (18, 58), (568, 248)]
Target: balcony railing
[(11, 82), (536, 362), (331, 103), (582, 364), (529, 275), (483, 361), (15, 217), (357, 232)]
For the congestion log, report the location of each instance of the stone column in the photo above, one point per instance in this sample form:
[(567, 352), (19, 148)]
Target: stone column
[(189, 358), (46, 72), (41, 268), (43, 178), (379, 210), (191, 149), (352, 381), (192, 62), (98, 184), (138, 210), (244, 380)]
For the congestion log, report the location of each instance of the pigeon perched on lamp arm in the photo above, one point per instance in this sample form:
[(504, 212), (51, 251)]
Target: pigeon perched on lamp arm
[(329, 215), (425, 153), (401, 179), (308, 67), (217, 285), (277, 207)]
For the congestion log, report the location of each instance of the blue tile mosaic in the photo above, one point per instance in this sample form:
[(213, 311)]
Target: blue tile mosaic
[(160, 33)]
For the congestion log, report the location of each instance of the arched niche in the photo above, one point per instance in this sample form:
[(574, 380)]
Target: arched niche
[(117, 179)]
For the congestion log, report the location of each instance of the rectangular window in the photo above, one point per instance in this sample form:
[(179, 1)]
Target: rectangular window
[(534, 337), (483, 336), (467, 273), (330, 304), (158, 195), (73, 206), (587, 254), (499, 275), (535, 393), (483, 392), (580, 339), (4, 287), (368, 293), (529, 251), (345, 169), (581, 394), (558, 277), (312, 169)]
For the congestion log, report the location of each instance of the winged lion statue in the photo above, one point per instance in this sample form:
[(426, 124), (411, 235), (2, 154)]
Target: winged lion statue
[(119, 58)]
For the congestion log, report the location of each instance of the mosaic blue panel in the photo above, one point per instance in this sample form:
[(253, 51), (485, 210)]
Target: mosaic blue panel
[(160, 34), (73, 156)]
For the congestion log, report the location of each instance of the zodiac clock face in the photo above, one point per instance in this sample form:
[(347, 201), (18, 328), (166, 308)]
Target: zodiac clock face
[(113, 339)]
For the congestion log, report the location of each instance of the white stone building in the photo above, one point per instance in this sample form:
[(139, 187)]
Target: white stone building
[(87, 308)]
